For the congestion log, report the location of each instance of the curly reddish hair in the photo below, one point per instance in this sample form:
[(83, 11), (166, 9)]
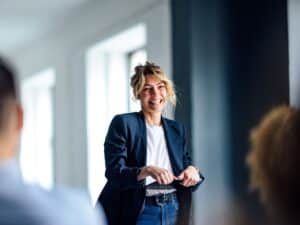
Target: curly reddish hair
[(274, 162)]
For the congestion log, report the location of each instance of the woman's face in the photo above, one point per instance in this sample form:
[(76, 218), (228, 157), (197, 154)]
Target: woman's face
[(153, 96)]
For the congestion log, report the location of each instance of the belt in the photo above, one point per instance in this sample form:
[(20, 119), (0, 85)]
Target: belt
[(161, 198)]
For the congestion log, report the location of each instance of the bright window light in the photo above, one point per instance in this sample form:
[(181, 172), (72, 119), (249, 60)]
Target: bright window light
[(135, 58), (36, 154), (107, 94)]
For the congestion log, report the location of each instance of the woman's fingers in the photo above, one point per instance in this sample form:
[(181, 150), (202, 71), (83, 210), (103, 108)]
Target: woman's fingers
[(162, 176), (165, 176), (190, 177)]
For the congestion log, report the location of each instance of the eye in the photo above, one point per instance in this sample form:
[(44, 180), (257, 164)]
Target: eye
[(161, 86), (146, 89)]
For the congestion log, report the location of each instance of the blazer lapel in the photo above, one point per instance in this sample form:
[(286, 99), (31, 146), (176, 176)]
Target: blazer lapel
[(172, 144), (143, 148)]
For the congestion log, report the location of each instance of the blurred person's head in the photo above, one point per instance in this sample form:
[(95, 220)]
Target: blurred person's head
[(274, 162), (11, 114), (152, 87)]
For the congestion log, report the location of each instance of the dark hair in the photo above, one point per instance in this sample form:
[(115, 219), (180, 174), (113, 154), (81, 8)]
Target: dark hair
[(7, 87)]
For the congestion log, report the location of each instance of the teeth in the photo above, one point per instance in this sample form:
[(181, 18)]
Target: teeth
[(155, 102)]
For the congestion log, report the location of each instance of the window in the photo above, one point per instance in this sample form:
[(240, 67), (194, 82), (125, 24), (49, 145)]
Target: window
[(136, 57), (36, 142), (108, 66)]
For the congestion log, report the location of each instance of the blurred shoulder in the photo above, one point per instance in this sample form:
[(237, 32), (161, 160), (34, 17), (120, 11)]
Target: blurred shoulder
[(31, 204), (62, 205), (77, 203)]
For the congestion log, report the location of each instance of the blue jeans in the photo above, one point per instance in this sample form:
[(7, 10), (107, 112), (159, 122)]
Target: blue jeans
[(159, 211)]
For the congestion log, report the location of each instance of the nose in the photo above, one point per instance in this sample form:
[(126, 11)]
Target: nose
[(155, 91)]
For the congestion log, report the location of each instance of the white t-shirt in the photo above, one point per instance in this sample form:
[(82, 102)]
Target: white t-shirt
[(157, 150)]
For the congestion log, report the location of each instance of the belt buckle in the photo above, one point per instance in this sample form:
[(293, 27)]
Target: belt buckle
[(164, 197)]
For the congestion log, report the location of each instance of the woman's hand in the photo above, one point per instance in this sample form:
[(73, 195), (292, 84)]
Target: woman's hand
[(190, 176), (162, 176)]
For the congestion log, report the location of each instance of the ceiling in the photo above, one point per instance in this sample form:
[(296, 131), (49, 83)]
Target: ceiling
[(24, 22)]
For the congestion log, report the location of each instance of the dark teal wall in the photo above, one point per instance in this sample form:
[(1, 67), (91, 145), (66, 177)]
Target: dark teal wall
[(230, 65)]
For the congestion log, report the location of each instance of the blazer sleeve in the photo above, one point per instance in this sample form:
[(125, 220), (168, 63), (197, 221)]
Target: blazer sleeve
[(117, 172), (187, 161)]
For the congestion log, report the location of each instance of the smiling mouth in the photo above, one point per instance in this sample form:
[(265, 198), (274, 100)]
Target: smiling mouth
[(156, 102)]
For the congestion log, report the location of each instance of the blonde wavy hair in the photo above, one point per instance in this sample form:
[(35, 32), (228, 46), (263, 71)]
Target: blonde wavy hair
[(137, 81), (274, 162)]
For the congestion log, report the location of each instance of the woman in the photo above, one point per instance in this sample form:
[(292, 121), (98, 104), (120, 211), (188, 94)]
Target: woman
[(149, 172)]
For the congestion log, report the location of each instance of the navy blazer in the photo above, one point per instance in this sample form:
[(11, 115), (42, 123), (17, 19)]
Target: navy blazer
[(125, 151)]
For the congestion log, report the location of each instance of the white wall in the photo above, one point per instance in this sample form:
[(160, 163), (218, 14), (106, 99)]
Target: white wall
[(65, 49)]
